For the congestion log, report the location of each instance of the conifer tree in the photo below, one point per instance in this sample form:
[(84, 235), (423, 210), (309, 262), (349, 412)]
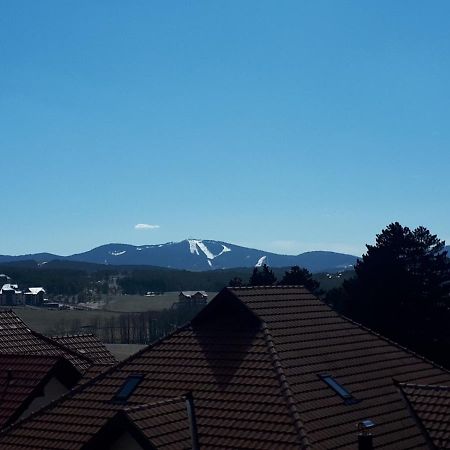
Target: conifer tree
[(300, 276), (264, 277)]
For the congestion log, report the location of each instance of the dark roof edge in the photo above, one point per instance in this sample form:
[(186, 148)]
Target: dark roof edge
[(285, 389), (431, 387), (68, 335), (415, 417), (145, 406)]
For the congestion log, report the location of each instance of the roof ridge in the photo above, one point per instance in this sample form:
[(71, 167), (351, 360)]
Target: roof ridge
[(285, 388), (142, 406), (430, 387), (267, 286), (58, 336)]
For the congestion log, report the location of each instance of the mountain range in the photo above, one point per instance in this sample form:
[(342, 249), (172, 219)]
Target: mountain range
[(196, 255)]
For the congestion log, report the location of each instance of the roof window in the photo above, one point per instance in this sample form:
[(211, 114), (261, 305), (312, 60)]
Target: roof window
[(339, 389), (128, 388)]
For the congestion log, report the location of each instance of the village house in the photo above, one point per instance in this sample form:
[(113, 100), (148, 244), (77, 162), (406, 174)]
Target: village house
[(4, 279), (192, 298), (257, 368), (11, 295), (34, 296)]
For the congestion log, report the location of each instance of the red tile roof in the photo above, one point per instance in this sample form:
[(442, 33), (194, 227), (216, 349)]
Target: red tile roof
[(253, 359), (17, 338), (22, 377), (431, 407), (310, 340), (163, 424), (88, 345), (82, 351)]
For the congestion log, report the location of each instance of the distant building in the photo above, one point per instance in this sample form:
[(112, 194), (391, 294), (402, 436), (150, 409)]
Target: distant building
[(10, 295), (4, 279), (192, 298), (34, 296)]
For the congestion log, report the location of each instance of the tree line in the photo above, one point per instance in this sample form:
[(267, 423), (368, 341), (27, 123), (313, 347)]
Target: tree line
[(129, 328), (265, 276)]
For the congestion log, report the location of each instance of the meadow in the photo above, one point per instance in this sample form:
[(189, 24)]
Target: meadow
[(69, 321)]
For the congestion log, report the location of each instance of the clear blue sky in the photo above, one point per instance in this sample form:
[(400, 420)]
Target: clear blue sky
[(287, 126)]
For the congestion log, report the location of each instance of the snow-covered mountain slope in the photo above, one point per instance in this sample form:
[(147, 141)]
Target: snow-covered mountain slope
[(198, 254)]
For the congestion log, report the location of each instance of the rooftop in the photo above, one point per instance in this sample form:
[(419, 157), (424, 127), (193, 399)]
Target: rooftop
[(17, 338), (431, 407), (268, 367), (23, 377)]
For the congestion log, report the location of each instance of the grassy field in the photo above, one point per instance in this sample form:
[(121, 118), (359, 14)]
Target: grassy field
[(52, 322), (139, 303), (123, 351)]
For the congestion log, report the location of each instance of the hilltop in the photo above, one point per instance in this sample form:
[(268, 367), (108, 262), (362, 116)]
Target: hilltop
[(196, 255)]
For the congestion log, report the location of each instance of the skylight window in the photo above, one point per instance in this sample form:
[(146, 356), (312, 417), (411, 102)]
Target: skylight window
[(128, 388), (339, 389)]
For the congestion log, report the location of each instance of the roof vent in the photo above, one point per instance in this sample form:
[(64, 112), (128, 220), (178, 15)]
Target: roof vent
[(365, 438)]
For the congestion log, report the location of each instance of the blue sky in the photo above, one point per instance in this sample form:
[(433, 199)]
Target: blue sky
[(287, 126)]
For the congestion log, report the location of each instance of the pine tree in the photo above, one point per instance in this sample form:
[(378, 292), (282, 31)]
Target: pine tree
[(402, 290), (264, 277), (300, 276)]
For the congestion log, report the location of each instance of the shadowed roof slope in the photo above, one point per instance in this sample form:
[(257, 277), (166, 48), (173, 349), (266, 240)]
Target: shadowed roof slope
[(268, 368), (431, 405)]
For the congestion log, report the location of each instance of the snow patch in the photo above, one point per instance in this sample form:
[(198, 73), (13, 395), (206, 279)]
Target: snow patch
[(224, 250), (138, 249), (193, 246), (261, 261), (117, 253), (210, 263), (205, 250)]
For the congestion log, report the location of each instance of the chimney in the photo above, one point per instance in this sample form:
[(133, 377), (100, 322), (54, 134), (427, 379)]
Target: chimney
[(365, 438)]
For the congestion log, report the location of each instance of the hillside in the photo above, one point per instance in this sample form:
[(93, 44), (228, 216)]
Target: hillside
[(196, 255), (70, 278)]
